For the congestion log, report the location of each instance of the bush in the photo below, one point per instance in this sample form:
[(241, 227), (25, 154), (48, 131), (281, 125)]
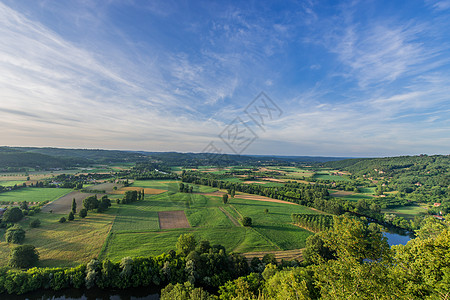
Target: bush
[(62, 220), (35, 223), (13, 214), (15, 234), (247, 221), (71, 217), (83, 213), (23, 256)]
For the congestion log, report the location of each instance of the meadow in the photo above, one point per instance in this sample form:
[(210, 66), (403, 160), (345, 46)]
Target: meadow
[(30, 194), (408, 212), (63, 244)]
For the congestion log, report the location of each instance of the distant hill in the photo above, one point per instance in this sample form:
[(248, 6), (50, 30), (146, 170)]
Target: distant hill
[(11, 159), (47, 158)]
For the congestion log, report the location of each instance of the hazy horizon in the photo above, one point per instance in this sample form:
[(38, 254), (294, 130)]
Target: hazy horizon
[(359, 79)]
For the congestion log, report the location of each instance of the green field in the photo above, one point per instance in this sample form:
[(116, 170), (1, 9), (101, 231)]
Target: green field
[(408, 212), (367, 190), (33, 194), (357, 196), (136, 228), (330, 177), (11, 182), (63, 245)]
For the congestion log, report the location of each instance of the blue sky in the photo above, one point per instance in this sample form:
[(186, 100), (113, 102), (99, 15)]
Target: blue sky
[(352, 78)]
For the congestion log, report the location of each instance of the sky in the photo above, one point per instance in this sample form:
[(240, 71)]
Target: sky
[(320, 78)]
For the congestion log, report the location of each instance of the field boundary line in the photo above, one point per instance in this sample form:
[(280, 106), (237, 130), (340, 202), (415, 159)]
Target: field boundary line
[(236, 211), (230, 217), (266, 238)]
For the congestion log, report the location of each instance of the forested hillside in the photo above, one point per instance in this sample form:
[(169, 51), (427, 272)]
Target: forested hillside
[(419, 178)]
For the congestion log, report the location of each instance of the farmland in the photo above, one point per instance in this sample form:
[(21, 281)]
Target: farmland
[(136, 228), (137, 223), (152, 225)]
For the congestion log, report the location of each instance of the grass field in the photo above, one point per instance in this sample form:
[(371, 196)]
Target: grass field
[(63, 244), (408, 212), (11, 182), (275, 225), (357, 196), (33, 194), (330, 177)]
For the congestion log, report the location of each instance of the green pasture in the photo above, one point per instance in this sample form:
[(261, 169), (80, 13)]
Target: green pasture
[(33, 194), (11, 182), (408, 212), (330, 177)]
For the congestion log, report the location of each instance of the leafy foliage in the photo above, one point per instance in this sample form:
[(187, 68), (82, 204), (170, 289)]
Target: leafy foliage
[(13, 214), (23, 256), (15, 234)]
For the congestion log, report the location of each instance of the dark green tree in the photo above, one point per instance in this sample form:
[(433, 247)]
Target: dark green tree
[(225, 198), (15, 234), (13, 214), (23, 256), (35, 223), (104, 204), (71, 216), (83, 213), (91, 202), (247, 221), (62, 220), (23, 205), (74, 206)]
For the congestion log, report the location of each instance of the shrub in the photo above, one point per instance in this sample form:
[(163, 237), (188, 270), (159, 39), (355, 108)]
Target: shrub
[(83, 213), (15, 234), (35, 223), (71, 217), (62, 220), (247, 221), (23, 256), (13, 214)]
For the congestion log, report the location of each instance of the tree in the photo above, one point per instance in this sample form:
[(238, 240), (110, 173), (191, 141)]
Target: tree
[(62, 220), (225, 198), (104, 204), (23, 205), (83, 213), (90, 202), (71, 216), (13, 214), (23, 256), (316, 251), (184, 292), (130, 196), (247, 221), (186, 243), (35, 223), (233, 192), (15, 234), (74, 206)]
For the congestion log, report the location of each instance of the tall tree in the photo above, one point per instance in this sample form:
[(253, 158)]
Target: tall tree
[(74, 206)]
